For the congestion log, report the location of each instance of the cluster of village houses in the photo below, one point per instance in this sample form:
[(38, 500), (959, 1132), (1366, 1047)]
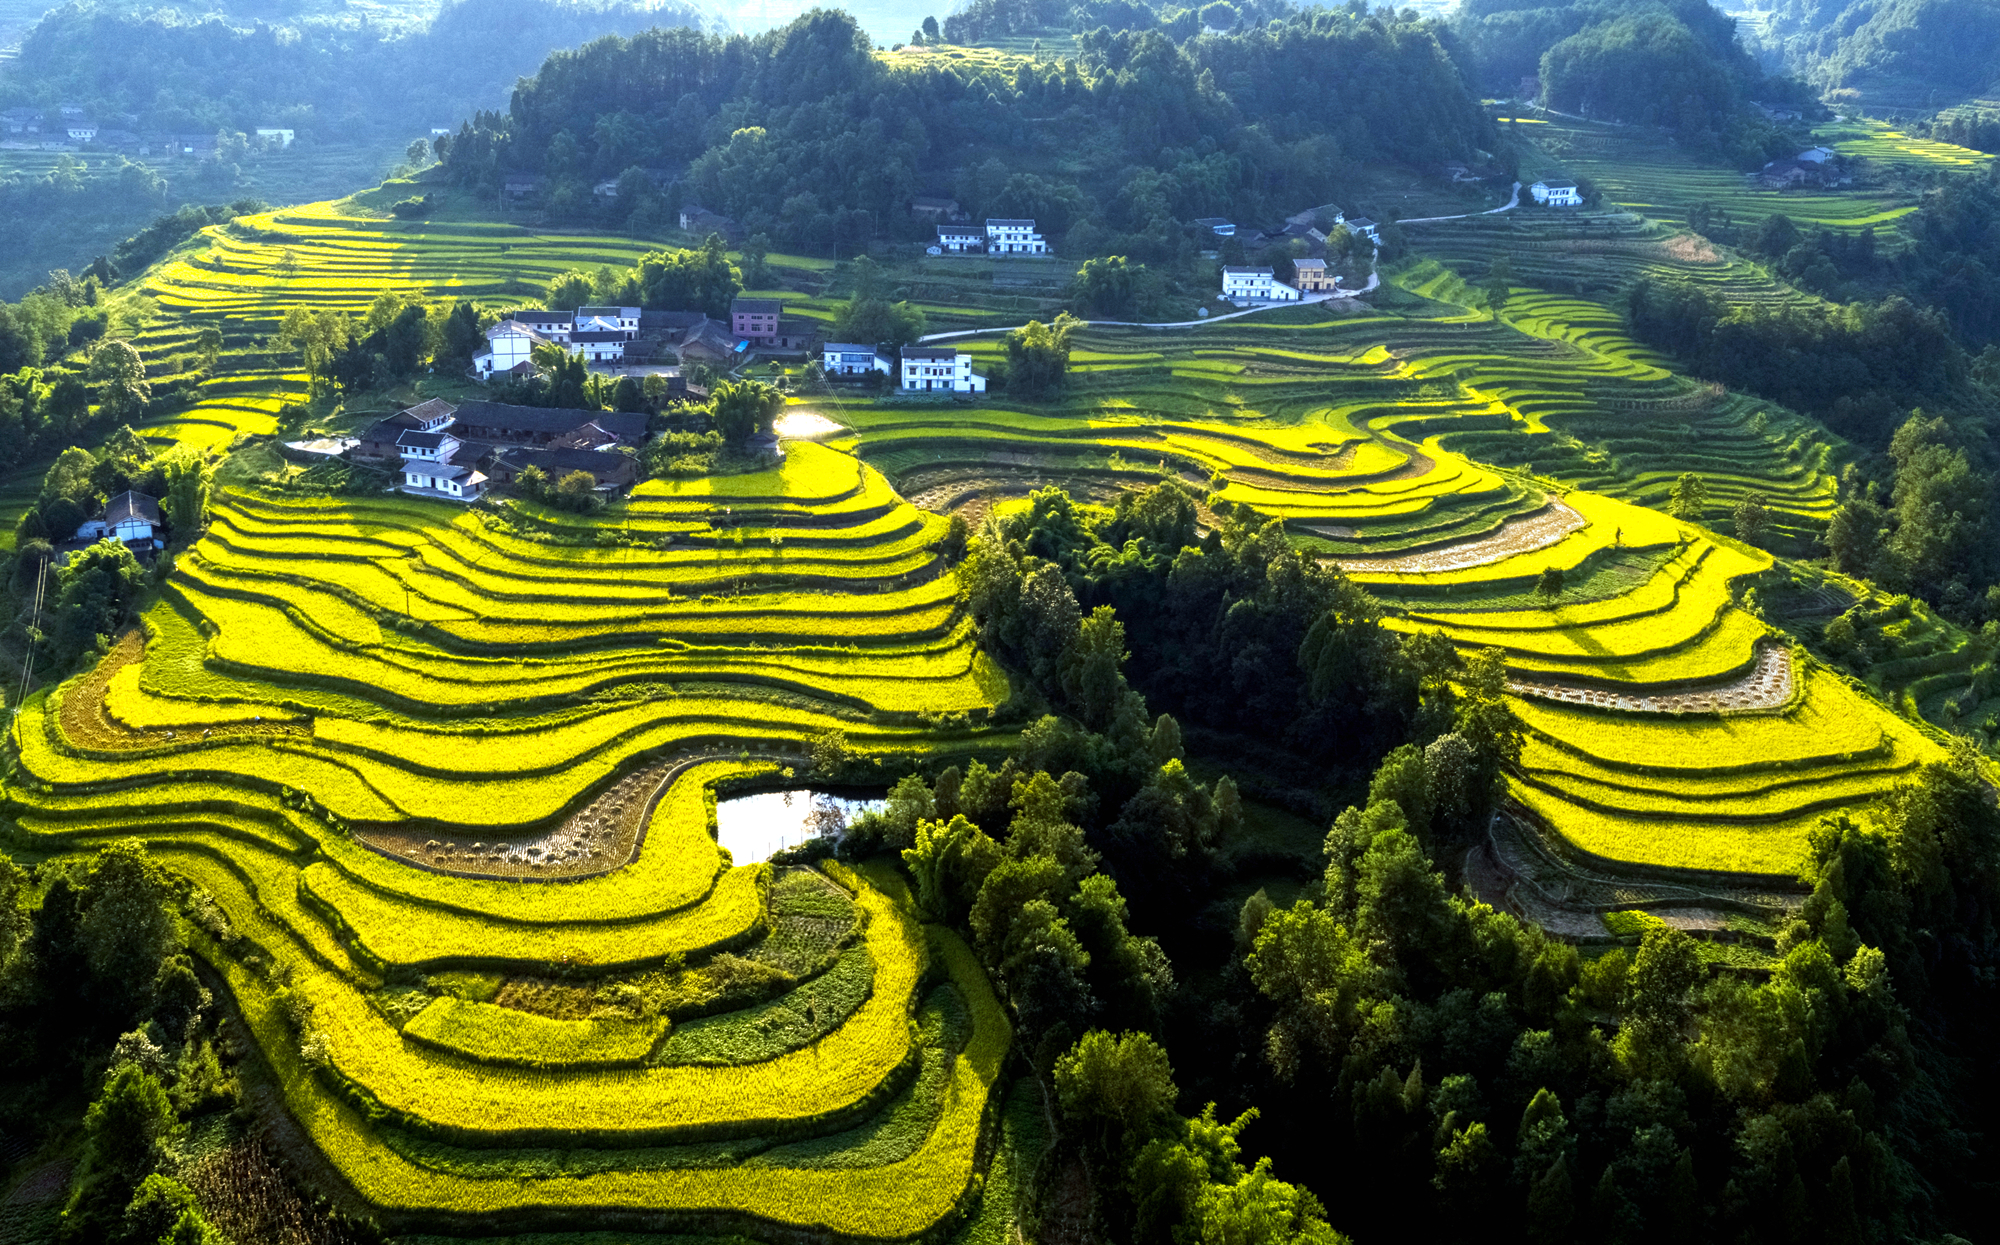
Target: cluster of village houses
[(456, 452)]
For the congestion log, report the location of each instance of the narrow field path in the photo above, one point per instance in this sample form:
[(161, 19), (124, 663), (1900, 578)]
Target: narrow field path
[(1374, 282), (1513, 202)]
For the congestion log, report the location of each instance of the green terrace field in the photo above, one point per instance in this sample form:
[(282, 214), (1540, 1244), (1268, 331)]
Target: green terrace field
[(1635, 172), (1887, 147)]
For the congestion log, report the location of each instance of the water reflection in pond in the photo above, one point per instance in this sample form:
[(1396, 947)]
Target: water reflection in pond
[(754, 826)]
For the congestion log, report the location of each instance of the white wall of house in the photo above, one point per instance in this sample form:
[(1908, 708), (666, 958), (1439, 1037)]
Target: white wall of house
[(1256, 285), (848, 359), (1014, 237), (1556, 194), (509, 346), (953, 375)]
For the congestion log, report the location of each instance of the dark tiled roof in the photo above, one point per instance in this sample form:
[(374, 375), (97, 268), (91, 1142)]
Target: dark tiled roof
[(929, 352), (478, 417), (593, 337), (436, 408), (389, 429), (671, 320), (130, 505), (415, 440), (542, 317), (596, 462)]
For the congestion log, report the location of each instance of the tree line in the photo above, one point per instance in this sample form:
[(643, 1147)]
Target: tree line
[(804, 133)]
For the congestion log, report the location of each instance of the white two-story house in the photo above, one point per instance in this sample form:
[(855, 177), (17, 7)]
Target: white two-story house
[(599, 345), (1014, 237), (1256, 285), (850, 359), (939, 369), (960, 239), (1557, 192), (509, 345)]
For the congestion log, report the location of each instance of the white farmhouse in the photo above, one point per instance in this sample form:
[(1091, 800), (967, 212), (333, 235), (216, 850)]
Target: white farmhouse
[(1557, 192), (599, 345), (1014, 237), (607, 319), (454, 480), (939, 369), (133, 519), (1256, 285), (273, 134), (509, 344), (849, 359), (960, 239), (426, 447), (1366, 228)]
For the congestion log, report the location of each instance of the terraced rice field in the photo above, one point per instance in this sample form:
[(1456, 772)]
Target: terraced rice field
[(1883, 144), (360, 728), (365, 726), (361, 725), (1633, 171)]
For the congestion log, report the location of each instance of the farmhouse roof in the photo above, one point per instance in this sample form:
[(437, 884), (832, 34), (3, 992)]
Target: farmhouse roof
[(929, 352), (592, 436), (960, 231), (1246, 272), (414, 440), (435, 408), (386, 431), (130, 505), (538, 316), (1361, 222), (596, 462), (609, 313), (1212, 221), (501, 417), (995, 223), (757, 306), (671, 321), (514, 328), (1316, 265), (709, 335), (847, 348), (593, 336)]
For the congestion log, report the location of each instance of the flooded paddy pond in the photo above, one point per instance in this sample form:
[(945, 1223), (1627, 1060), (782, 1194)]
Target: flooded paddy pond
[(752, 827)]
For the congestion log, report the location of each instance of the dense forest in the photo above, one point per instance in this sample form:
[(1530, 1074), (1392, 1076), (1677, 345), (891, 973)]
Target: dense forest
[(804, 131), (1675, 65), (1950, 44), (329, 80)]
